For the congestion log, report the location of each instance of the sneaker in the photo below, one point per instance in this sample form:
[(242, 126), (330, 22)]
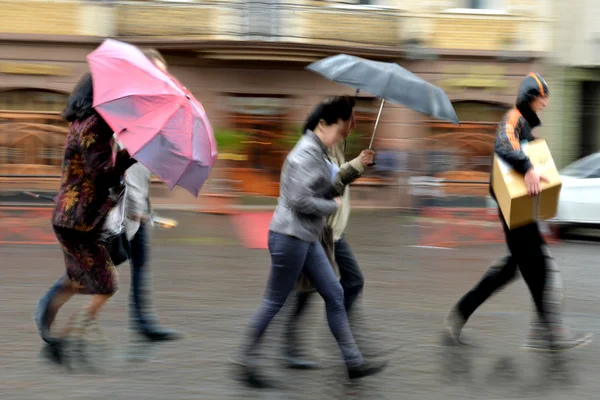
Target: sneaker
[(562, 343), (455, 324)]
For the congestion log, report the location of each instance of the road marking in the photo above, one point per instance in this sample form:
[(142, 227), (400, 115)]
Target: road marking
[(430, 247)]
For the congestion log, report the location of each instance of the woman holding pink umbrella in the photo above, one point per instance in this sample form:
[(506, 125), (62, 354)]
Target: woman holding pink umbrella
[(90, 171)]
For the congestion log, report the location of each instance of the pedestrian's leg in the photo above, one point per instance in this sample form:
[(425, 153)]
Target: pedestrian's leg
[(526, 245), (320, 272), (318, 269), (352, 281), (544, 282), (293, 352), (351, 277), (287, 259), (497, 276), (554, 292), (45, 315), (538, 333), (137, 259), (144, 321), (300, 304), (98, 278)]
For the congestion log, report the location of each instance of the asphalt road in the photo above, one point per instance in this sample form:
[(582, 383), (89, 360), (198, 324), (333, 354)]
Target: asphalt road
[(207, 286)]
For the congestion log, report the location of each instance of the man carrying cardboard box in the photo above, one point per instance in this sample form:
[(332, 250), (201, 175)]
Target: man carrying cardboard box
[(527, 247)]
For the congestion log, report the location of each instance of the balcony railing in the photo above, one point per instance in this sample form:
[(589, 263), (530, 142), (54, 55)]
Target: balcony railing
[(303, 21), (40, 17), (298, 21), (494, 32), (322, 22)]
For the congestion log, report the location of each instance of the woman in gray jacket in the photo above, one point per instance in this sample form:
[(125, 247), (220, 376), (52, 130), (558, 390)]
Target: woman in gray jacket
[(305, 201)]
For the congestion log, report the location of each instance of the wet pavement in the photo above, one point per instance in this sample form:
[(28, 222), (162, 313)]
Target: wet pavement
[(207, 286)]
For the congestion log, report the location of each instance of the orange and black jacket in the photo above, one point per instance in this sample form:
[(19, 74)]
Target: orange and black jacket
[(513, 130), (518, 124)]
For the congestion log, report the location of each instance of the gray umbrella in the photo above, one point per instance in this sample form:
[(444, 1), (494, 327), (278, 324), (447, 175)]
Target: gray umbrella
[(388, 81)]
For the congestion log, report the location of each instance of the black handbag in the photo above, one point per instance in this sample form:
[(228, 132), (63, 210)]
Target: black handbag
[(114, 233), (119, 248)]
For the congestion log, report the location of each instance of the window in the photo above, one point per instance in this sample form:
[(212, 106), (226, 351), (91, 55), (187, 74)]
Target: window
[(484, 4), (469, 146), (32, 100), (262, 120), (583, 167), (475, 111), (32, 134), (477, 6), (368, 3)]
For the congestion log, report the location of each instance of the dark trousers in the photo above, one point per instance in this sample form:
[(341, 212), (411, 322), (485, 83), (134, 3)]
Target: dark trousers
[(351, 279), (290, 257), (140, 279), (139, 276), (526, 247)]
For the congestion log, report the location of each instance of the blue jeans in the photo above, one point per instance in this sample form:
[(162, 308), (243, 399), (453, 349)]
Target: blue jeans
[(138, 259), (351, 279), (289, 257)]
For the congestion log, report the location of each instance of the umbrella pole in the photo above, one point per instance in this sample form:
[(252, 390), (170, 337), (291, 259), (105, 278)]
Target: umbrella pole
[(376, 123)]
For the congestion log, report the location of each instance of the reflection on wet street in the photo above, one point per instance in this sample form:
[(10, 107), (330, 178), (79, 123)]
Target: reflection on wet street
[(207, 286)]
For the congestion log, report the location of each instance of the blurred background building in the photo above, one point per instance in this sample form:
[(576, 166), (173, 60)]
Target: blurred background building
[(245, 60), (576, 75)]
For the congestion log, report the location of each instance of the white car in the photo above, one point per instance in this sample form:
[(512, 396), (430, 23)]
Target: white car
[(579, 203)]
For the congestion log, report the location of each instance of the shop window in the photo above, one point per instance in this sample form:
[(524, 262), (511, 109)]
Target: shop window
[(32, 134), (455, 149), (262, 121)]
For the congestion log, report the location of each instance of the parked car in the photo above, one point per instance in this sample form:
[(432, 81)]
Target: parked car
[(579, 203)]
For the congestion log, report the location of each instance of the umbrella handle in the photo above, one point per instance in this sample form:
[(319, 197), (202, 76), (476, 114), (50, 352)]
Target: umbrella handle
[(376, 123)]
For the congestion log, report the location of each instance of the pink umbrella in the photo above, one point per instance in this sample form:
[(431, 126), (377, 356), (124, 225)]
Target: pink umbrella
[(154, 117)]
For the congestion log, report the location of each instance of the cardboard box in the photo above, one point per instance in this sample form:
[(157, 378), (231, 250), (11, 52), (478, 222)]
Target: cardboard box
[(518, 208)]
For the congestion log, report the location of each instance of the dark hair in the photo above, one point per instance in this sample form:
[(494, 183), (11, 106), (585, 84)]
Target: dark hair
[(330, 111), (154, 55), (79, 105)]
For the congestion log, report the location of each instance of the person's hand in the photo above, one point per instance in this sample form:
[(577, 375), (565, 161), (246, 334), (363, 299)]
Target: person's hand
[(366, 157), (532, 182), (338, 201)]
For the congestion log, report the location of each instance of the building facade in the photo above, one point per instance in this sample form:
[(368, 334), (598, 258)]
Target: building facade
[(576, 74), (245, 62)]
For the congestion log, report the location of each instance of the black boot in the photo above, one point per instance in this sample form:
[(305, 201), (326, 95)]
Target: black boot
[(54, 350), (366, 369), (250, 376), (159, 334), (150, 329)]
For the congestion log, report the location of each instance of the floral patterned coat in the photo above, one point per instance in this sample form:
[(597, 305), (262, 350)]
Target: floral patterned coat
[(89, 171)]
